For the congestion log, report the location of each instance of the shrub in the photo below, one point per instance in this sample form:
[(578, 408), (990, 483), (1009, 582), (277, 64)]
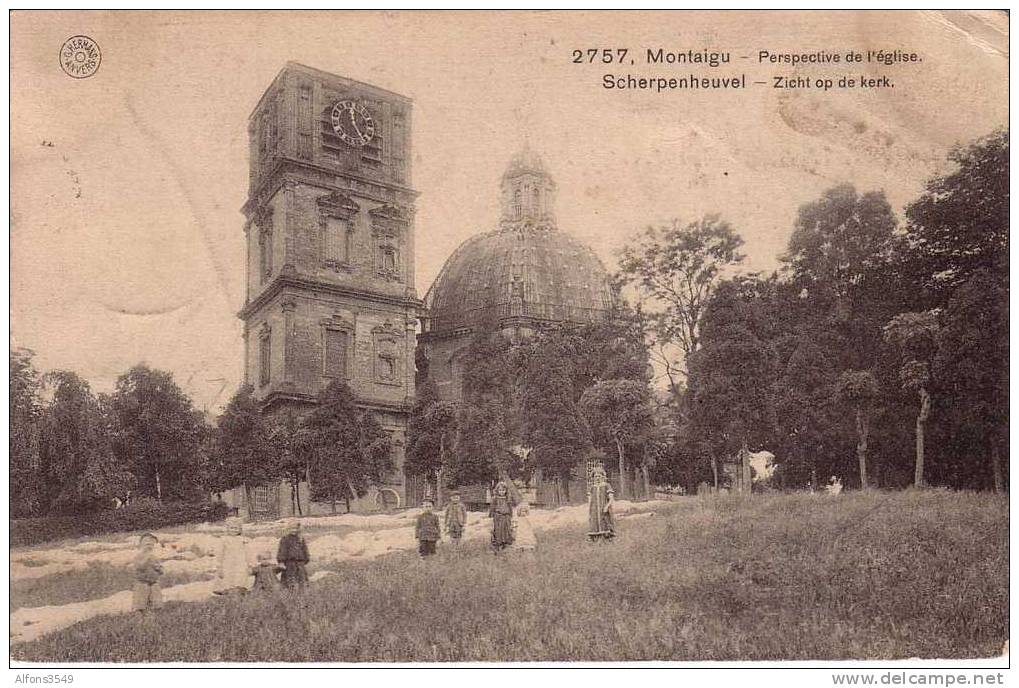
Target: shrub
[(144, 514)]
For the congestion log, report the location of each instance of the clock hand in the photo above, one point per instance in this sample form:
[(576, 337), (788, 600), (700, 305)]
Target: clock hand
[(353, 123)]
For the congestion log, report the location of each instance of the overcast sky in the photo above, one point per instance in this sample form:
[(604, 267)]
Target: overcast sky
[(126, 235)]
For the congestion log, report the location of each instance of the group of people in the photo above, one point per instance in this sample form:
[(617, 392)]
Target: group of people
[(511, 527), (234, 574)]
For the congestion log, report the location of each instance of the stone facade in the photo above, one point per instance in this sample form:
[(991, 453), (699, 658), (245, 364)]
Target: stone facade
[(330, 244)]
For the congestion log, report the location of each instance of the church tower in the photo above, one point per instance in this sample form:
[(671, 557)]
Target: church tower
[(330, 244)]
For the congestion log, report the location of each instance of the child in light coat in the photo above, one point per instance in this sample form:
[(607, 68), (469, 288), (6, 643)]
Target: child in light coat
[(147, 592), (524, 539)]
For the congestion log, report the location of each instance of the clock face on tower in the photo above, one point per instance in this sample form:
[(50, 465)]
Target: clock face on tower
[(353, 123)]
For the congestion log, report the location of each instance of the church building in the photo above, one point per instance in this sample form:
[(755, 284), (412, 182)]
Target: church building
[(329, 226)]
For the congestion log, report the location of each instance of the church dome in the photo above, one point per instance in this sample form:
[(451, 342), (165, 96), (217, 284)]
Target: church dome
[(526, 272)]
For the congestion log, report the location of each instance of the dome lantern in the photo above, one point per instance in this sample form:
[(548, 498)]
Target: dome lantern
[(528, 193)]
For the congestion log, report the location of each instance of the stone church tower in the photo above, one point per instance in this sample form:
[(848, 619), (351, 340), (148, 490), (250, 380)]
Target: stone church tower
[(330, 245)]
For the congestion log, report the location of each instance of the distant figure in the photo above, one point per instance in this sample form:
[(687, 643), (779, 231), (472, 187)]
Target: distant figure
[(600, 501), (265, 574), (524, 539), (501, 513), (456, 518), (147, 572), (293, 555), (426, 530), (233, 560)]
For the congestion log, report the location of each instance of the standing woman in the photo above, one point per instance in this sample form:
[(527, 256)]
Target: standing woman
[(600, 525), (293, 556), (501, 513)]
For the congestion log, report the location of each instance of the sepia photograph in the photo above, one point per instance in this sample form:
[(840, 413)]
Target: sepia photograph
[(510, 338)]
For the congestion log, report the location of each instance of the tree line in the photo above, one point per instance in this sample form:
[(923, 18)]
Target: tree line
[(72, 450), (877, 353)]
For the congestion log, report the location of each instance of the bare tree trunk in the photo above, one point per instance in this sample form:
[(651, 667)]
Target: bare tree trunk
[(622, 470), (159, 487), (438, 487), (647, 482), (999, 479), (714, 469), (862, 431), (332, 503), (921, 421)]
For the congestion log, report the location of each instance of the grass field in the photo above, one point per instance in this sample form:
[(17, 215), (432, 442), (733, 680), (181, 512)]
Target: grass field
[(861, 576)]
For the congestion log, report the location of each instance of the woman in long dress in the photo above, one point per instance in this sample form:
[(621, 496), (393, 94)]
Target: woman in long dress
[(600, 525), (232, 565), (501, 512)]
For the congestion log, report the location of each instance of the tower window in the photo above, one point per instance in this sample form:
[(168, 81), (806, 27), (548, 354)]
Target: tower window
[(337, 240), (388, 261), (265, 254), (264, 357), (335, 354)]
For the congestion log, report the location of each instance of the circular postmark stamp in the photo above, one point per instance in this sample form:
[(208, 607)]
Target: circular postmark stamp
[(80, 57)]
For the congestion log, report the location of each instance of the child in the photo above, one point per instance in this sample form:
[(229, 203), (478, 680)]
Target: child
[(524, 539), (147, 570), (501, 513), (426, 530), (601, 498), (265, 574), (233, 560), (293, 555), (456, 518)]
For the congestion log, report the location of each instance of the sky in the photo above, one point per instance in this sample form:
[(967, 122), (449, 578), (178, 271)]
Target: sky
[(126, 187)]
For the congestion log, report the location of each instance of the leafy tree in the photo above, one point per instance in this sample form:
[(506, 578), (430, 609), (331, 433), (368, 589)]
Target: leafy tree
[(553, 425), (959, 225), (288, 441), (76, 452), (675, 268), (431, 434), (27, 488), (859, 390), (972, 365), (838, 242), (915, 337), (159, 432), (808, 441), (619, 412), (244, 452), (349, 450), (730, 406)]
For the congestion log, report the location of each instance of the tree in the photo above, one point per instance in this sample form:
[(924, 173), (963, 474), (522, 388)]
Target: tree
[(959, 225), (76, 453), (805, 419), (915, 337), (618, 412), (431, 434), (288, 442), (838, 242), (552, 423), (859, 390), (25, 409), (349, 450), (675, 268), (159, 432), (244, 452), (730, 405), (972, 365)]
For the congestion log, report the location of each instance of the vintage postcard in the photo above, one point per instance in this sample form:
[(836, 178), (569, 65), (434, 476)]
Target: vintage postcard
[(460, 338)]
